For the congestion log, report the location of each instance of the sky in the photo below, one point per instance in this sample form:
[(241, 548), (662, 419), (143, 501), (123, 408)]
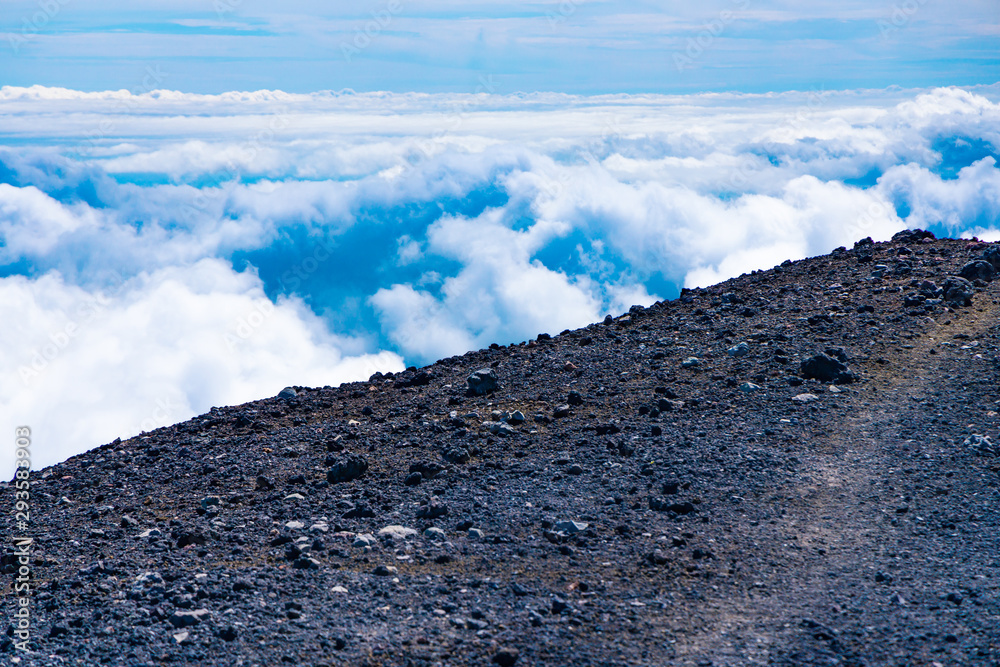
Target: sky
[(201, 203), (573, 46)]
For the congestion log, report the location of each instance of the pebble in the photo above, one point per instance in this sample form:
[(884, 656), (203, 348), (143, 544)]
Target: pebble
[(433, 533), (367, 539), (749, 387), (396, 532), (805, 398), (570, 527), (691, 362), (476, 534), (739, 350), (183, 618), (385, 571)]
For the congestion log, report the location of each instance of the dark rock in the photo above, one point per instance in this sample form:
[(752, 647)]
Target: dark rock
[(482, 382), (912, 236), (413, 479), (664, 505), (347, 468), (287, 392), (574, 398), (978, 270), (427, 469), (183, 618), (432, 510), (412, 378), (958, 291), (506, 657), (825, 368)]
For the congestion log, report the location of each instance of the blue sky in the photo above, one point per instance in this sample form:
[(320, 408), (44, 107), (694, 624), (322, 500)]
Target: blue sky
[(575, 46)]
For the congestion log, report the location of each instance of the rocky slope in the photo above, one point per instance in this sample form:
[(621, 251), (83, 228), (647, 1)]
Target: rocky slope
[(665, 487)]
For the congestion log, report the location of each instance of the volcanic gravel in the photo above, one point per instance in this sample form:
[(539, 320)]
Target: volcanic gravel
[(662, 488)]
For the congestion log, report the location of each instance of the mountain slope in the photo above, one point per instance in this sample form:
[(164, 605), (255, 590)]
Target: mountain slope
[(677, 493)]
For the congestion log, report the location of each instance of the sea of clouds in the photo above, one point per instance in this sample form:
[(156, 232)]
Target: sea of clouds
[(162, 252)]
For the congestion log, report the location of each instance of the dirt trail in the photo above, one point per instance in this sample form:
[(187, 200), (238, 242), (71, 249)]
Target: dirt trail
[(821, 597)]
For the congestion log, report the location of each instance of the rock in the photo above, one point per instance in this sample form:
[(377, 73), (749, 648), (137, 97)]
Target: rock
[(287, 392), (912, 236), (412, 378), (958, 291), (978, 269), (432, 510), (476, 534), (428, 469), (805, 398), (457, 453), (413, 479), (825, 368), (657, 557), (396, 532), (516, 417), (306, 563), (385, 571), (347, 468), (228, 634), (570, 527), (363, 540), (574, 469), (294, 525), (664, 505), (436, 534), (992, 255), (691, 362), (982, 444), (739, 350), (482, 382), (749, 387), (499, 428), (183, 618), (506, 657), (669, 405), (574, 398), (264, 483)]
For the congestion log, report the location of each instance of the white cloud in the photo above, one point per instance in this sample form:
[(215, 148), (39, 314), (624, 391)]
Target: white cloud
[(424, 225), (86, 367)]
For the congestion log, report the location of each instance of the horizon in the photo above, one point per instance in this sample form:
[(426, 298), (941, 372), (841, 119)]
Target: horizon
[(195, 213)]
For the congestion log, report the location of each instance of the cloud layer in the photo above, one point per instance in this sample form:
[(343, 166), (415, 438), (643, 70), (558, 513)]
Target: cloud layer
[(166, 252)]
